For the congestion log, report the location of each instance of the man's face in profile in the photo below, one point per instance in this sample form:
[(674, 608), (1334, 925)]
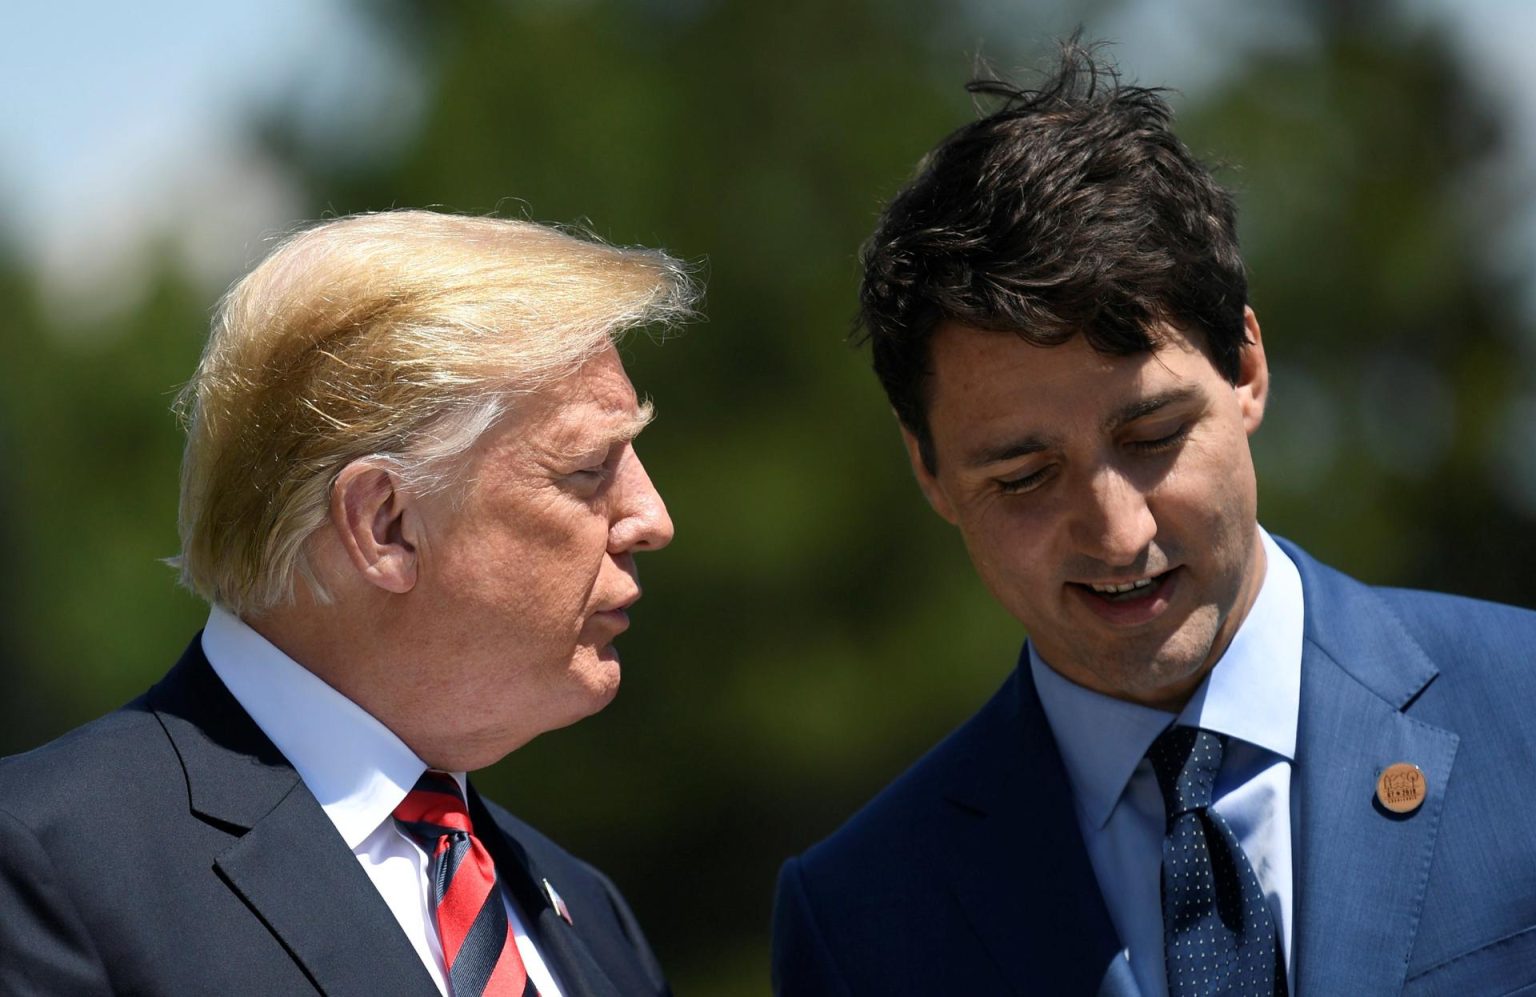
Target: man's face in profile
[(1108, 502), (530, 571)]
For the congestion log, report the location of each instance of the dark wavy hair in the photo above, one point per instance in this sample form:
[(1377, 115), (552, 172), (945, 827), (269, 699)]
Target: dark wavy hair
[(1070, 209)]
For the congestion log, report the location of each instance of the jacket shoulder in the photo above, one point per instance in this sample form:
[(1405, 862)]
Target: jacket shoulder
[(74, 770), (1448, 626), (893, 827), (1459, 643), (1484, 687), (874, 907)]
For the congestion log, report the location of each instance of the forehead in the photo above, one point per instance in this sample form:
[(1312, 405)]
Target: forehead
[(981, 378), (594, 406), (599, 386)]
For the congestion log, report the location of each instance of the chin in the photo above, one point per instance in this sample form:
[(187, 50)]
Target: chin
[(599, 679), (604, 693), (1178, 667)]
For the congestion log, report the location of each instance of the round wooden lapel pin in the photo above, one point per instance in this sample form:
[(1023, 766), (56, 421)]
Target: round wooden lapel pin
[(1401, 788)]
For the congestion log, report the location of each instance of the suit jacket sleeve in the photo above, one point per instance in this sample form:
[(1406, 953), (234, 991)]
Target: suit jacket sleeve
[(44, 947), (802, 963)]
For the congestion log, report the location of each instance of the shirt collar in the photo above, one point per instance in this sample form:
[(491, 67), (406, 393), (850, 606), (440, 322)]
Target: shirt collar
[(1253, 693), (356, 767)]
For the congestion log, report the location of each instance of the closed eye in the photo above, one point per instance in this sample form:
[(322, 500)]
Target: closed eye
[(594, 476), (1162, 443), (1012, 486)]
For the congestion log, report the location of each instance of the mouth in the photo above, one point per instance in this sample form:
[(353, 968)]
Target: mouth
[(617, 615), (1130, 601), (623, 607)]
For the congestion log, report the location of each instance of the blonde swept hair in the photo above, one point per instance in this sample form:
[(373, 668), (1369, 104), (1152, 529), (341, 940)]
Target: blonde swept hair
[(401, 337)]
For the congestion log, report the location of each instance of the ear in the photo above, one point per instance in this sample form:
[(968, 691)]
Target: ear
[(375, 522), (1252, 375), (925, 479)]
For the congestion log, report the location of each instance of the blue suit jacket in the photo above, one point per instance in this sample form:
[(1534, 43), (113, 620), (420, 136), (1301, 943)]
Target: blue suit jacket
[(969, 875), (169, 848)]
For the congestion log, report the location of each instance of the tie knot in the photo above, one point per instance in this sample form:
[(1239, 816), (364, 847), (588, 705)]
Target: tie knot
[(1186, 760), (433, 809)]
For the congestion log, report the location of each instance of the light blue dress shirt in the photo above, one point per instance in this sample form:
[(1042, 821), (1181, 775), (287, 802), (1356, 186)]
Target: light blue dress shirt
[(1253, 695)]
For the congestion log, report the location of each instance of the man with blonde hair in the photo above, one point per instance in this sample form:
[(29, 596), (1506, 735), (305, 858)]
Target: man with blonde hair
[(411, 497)]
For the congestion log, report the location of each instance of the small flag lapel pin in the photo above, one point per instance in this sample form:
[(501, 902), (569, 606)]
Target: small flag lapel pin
[(558, 903)]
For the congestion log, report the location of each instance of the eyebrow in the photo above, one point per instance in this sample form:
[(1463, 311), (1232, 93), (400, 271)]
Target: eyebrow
[(1000, 452), (1146, 406), (1013, 449), (624, 429), (636, 421)]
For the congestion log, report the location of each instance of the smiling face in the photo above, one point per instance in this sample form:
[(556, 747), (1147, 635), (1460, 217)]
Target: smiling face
[(525, 579), (1073, 475)]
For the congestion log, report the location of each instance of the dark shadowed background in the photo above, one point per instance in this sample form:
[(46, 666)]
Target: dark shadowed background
[(813, 627)]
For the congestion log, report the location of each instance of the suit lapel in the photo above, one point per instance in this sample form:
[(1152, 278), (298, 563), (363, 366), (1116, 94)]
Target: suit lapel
[(287, 862), (573, 963), (561, 945), (1016, 859), (297, 874), (1361, 872)]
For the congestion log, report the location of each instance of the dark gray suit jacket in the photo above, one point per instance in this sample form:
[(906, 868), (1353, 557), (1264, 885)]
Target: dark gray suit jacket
[(169, 848)]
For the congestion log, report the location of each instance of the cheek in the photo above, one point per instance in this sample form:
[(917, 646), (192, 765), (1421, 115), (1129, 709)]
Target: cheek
[(558, 571), (510, 579), (1210, 490), (1008, 543), (1238, 488), (528, 537)]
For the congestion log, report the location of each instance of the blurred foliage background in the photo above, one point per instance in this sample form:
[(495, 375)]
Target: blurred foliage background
[(813, 627)]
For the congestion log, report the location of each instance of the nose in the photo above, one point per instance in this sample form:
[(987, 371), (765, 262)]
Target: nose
[(1114, 523), (641, 521)]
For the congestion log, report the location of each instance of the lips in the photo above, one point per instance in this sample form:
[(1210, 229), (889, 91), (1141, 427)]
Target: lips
[(1115, 590), (615, 616), (619, 607), (1131, 601)]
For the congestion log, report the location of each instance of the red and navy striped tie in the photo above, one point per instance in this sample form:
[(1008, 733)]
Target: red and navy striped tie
[(479, 950)]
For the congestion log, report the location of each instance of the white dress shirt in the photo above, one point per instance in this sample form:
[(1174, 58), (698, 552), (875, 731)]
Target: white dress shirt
[(357, 769), (1253, 695)]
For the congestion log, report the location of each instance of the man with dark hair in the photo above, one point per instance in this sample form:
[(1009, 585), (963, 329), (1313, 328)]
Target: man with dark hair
[(1220, 767)]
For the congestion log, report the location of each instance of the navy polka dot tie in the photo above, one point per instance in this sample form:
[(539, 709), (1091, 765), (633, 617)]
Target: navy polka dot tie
[(1218, 933)]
